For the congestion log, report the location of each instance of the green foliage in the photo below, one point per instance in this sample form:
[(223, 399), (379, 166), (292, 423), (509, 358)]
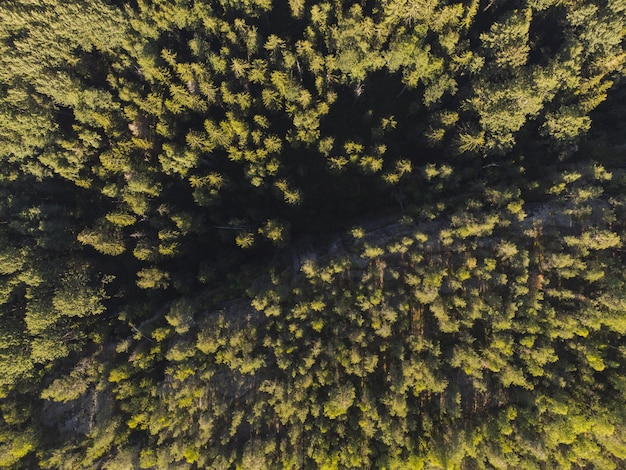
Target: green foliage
[(152, 278), (171, 173), (339, 401), (102, 239)]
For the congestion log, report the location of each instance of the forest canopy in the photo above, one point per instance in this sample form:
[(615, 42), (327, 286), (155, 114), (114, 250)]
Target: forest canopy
[(307, 234)]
